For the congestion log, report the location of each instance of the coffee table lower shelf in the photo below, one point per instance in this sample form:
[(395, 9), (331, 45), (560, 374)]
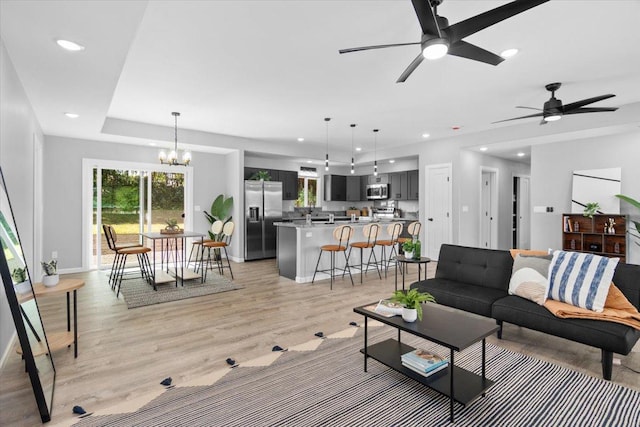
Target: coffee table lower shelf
[(467, 385)]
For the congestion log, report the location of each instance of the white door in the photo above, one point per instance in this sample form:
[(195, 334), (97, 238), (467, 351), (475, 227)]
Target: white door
[(438, 208), (523, 213), (488, 209)]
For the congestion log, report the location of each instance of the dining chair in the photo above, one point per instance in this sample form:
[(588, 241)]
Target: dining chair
[(227, 233), (120, 260)]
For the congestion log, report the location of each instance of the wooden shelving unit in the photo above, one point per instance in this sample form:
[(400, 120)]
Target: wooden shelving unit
[(584, 234)]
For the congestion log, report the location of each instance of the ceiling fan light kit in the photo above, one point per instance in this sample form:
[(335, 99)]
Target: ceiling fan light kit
[(435, 48)]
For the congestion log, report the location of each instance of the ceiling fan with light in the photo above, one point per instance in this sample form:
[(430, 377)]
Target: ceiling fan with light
[(439, 38), (554, 110)]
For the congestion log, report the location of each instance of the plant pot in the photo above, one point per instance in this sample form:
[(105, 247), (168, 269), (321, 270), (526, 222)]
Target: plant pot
[(23, 287), (408, 255), (50, 281), (409, 314)]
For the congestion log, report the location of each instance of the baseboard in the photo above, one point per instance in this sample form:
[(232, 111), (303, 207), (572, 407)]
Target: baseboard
[(5, 354), (72, 270)]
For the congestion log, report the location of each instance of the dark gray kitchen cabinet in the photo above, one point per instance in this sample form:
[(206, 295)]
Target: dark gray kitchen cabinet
[(398, 186), (413, 192), (289, 184), (364, 181), (353, 188), (335, 188)]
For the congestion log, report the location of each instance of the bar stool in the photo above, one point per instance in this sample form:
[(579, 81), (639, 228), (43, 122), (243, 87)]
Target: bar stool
[(370, 232), (341, 234), (393, 230), (414, 231), (227, 231), (119, 262)]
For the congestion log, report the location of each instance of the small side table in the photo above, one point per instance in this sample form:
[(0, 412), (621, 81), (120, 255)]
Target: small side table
[(401, 259), (59, 340)]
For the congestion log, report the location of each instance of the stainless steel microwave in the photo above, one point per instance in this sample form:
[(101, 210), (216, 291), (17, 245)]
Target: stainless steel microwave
[(377, 191)]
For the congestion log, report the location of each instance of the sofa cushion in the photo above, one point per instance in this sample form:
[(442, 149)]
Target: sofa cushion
[(487, 268), (626, 279), (606, 335), (581, 279), (476, 299), (529, 277)]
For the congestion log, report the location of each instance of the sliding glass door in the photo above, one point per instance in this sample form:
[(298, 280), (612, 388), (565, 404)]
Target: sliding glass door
[(132, 201)]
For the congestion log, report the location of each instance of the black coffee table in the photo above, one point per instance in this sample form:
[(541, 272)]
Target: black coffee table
[(449, 327)]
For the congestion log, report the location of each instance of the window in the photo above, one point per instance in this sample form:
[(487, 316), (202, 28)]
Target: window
[(307, 189)]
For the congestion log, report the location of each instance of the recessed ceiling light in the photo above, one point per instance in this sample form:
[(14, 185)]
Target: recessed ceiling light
[(309, 161), (300, 139), (392, 161), (153, 144), (425, 135), (358, 148), (508, 53), (483, 148), (521, 154), (69, 45), (72, 115)]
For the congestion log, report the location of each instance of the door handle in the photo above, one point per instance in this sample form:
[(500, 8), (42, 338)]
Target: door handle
[(430, 219)]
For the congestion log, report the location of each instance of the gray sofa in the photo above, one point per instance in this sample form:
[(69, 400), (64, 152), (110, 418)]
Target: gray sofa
[(477, 280)]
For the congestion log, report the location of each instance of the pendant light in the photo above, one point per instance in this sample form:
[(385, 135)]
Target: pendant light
[(375, 152), (172, 158), (326, 158), (353, 126)]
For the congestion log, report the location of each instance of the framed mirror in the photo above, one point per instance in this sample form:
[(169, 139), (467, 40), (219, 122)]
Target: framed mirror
[(34, 347)]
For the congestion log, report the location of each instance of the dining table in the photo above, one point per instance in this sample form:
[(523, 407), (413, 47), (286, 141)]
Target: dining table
[(169, 256)]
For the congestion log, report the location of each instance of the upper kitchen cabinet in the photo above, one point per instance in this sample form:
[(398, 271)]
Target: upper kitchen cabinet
[(398, 186), (364, 181), (413, 192), (289, 185), (353, 188), (381, 178), (335, 188), (249, 172)]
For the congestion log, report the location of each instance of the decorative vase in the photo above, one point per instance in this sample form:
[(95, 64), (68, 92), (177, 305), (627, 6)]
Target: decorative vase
[(408, 255), (23, 287), (409, 314), (51, 280)]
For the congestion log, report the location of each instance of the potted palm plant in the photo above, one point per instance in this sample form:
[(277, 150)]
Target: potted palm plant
[(412, 301), (50, 269)]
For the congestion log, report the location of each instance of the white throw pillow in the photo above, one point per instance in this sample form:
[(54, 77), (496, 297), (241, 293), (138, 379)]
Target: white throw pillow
[(581, 279), (529, 278)]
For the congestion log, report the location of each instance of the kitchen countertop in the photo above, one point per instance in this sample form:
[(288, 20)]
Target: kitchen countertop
[(302, 223)]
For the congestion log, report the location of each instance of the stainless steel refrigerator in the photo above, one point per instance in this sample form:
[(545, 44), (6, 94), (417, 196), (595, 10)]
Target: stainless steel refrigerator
[(263, 207)]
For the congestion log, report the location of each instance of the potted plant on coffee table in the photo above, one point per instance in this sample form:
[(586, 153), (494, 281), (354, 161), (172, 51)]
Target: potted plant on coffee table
[(50, 269), (412, 301)]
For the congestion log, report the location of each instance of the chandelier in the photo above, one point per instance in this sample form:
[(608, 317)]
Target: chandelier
[(172, 158)]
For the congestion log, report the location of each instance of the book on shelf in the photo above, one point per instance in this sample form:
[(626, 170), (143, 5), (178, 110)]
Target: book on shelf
[(423, 359), (425, 374), (386, 308)]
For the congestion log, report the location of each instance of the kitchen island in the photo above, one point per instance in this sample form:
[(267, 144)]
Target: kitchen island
[(299, 243)]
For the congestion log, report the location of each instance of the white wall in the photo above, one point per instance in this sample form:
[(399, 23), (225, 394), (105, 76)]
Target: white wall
[(18, 128), (551, 180), (63, 189)]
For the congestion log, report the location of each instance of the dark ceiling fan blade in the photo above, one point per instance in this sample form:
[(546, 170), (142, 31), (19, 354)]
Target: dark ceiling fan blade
[(410, 69), (518, 118), (587, 101), (479, 22), (591, 110), (380, 46), (529, 108), (426, 17), (470, 51)]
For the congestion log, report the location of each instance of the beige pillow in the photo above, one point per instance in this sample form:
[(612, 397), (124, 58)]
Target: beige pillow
[(529, 278)]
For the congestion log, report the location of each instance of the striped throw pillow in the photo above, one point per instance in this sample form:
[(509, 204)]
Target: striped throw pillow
[(581, 279)]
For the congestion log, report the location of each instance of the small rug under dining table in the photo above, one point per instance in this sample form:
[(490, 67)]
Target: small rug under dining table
[(139, 293)]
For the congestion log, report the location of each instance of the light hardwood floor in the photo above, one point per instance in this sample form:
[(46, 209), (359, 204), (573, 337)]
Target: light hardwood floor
[(124, 354)]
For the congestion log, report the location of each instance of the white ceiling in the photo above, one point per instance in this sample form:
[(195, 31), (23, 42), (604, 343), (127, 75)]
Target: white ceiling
[(270, 70)]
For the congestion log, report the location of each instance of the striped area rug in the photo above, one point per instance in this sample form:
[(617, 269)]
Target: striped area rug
[(327, 387)]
